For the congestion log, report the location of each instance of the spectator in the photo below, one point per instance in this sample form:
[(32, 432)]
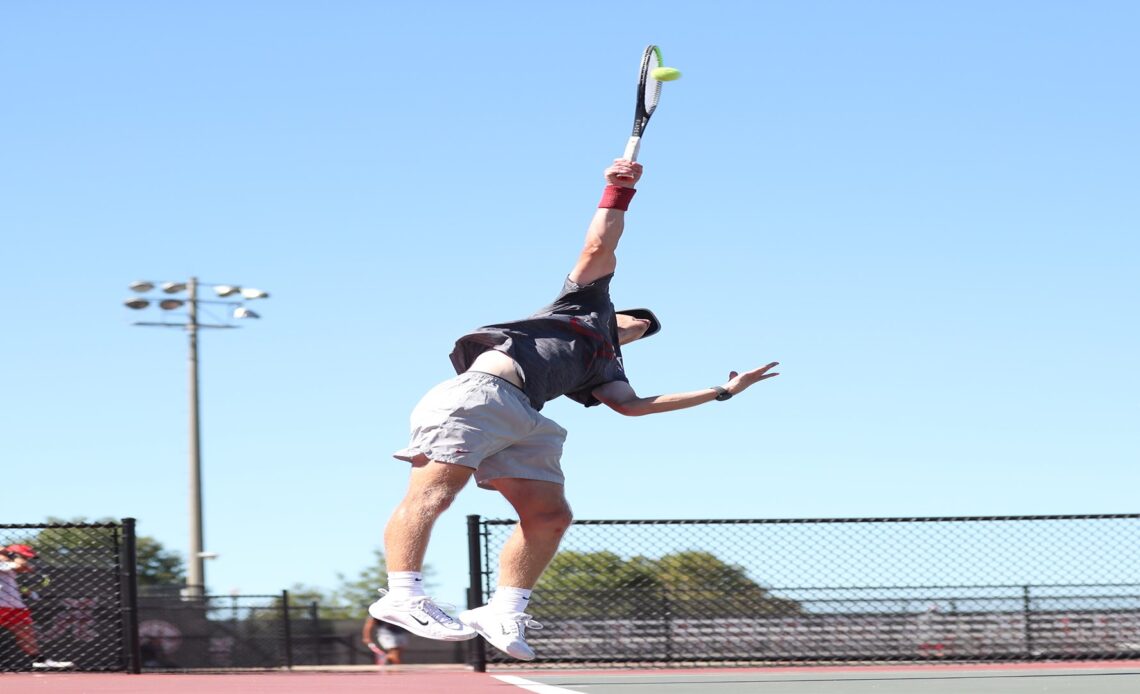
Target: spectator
[(388, 643)]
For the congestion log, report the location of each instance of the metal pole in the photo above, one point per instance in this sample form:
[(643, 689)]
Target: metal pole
[(129, 571), (288, 629), (196, 576), (1027, 611), (315, 627), (477, 655)]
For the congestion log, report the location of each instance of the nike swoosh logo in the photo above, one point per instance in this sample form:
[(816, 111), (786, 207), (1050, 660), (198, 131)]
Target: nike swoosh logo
[(422, 622)]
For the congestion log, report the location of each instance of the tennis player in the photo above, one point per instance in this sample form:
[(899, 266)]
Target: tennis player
[(486, 422)]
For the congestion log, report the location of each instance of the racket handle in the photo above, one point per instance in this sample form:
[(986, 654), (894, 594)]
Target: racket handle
[(632, 148)]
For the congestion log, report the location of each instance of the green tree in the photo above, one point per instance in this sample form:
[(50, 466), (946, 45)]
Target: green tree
[(158, 566), (699, 584), (597, 585), (360, 592), (78, 547), (352, 596), (601, 585)]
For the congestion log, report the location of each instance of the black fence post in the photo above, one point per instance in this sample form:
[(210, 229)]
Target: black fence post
[(1027, 610), (128, 565), (315, 628), (287, 628), (477, 653)]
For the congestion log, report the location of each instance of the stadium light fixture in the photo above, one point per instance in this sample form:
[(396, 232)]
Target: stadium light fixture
[(196, 568)]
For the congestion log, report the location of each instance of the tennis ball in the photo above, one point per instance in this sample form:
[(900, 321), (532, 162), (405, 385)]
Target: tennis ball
[(665, 74)]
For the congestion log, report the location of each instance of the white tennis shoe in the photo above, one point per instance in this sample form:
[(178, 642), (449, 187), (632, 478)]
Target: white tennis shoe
[(504, 630), (53, 665), (421, 616)]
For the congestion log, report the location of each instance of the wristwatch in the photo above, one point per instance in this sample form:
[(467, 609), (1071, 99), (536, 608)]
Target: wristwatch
[(721, 393)]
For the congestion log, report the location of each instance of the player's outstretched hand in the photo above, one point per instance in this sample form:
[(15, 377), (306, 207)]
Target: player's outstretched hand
[(623, 173), (737, 382)]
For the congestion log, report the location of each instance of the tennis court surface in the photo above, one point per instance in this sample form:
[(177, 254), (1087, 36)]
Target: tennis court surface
[(1063, 678)]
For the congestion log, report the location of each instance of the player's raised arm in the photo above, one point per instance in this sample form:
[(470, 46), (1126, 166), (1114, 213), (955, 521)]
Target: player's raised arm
[(598, 257), (621, 398)]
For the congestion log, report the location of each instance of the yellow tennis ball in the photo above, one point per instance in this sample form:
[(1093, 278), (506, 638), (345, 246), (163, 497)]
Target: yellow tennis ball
[(665, 74)]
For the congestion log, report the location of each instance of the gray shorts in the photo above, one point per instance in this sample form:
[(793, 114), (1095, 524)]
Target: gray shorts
[(388, 640), (483, 422)]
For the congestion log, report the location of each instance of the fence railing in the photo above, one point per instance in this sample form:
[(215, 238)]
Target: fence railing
[(820, 590)]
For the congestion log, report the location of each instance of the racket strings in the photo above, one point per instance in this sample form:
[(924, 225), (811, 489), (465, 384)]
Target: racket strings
[(651, 94), (648, 94), (649, 89)]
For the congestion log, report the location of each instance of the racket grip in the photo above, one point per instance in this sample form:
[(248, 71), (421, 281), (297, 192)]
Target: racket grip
[(632, 148)]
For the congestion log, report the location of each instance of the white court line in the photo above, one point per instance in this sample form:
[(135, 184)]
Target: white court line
[(535, 687)]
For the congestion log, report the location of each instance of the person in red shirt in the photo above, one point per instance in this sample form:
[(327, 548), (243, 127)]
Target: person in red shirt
[(15, 616)]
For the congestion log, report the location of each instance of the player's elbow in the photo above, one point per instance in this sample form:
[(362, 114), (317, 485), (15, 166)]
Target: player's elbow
[(631, 408)]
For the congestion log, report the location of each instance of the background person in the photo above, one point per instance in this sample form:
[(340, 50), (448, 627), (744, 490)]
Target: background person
[(388, 639), (15, 616)]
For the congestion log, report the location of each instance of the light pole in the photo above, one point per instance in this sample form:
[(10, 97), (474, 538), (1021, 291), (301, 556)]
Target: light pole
[(196, 571)]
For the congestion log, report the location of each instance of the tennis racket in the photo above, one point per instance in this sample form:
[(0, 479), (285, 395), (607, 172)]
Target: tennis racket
[(648, 94), (381, 656)]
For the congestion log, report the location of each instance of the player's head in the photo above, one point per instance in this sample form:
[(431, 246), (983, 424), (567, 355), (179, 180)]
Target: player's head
[(636, 323), (20, 551)]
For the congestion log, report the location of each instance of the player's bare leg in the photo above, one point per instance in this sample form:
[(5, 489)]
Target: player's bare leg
[(25, 636), (431, 489), (544, 516), (393, 655)]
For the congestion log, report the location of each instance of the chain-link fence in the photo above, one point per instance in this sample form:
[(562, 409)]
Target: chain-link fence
[(816, 590), (70, 601), (65, 596), (225, 632), (185, 632)]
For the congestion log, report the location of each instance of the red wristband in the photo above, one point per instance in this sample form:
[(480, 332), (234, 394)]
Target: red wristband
[(617, 197)]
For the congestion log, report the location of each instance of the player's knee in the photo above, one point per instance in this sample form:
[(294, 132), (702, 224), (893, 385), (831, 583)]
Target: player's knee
[(430, 500), (552, 520)]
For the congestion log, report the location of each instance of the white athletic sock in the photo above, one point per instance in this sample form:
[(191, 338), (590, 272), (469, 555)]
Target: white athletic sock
[(507, 599), (406, 584)]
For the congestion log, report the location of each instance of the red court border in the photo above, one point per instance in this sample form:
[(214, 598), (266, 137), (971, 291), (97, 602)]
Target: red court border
[(418, 680)]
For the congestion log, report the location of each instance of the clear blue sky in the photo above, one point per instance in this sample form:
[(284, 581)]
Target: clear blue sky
[(927, 212)]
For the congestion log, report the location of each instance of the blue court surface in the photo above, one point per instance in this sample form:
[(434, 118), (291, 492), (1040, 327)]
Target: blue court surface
[(1069, 678)]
